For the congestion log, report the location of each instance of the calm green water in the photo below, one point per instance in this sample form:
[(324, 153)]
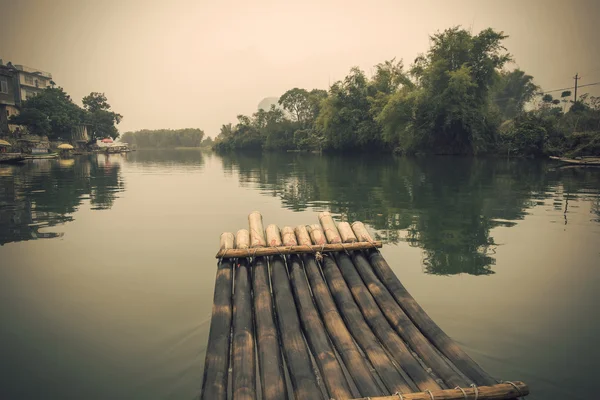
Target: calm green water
[(107, 268)]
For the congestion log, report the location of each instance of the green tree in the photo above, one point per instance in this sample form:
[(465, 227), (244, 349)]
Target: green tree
[(513, 90), (345, 117), (448, 109), (297, 103), (51, 113), (100, 117)]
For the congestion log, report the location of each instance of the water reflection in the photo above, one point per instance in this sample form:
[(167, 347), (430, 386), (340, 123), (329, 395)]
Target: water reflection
[(166, 157), (44, 193), (446, 206)]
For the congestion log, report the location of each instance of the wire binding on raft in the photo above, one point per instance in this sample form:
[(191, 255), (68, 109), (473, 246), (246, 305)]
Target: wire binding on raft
[(474, 386), (463, 392), (516, 388)]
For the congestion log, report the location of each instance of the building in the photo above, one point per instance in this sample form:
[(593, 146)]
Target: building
[(17, 84), (8, 95), (31, 82)]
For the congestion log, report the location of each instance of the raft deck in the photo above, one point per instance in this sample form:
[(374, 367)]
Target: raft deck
[(315, 312)]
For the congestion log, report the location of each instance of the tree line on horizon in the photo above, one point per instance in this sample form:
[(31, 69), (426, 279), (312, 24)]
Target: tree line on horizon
[(167, 138), (457, 98)]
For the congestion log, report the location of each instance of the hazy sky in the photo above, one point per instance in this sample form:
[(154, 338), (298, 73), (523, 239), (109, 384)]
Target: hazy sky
[(175, 64)]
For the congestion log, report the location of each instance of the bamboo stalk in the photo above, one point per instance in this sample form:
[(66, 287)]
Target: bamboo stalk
[(288, 237), (257, 232), (404, 326), (314, 331), (398, 319), (346, 233), (216, 364), (376, 320), (270, 361), (331, 233), (340, 335), (295, 350), (501, 391), (286, 250), (415, 312), (244, 364), (355, 322)]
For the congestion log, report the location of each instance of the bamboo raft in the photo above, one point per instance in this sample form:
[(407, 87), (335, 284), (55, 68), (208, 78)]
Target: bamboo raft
[(315, 312)]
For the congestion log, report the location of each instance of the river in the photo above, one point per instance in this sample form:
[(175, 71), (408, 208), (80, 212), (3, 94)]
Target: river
[(107, 263)]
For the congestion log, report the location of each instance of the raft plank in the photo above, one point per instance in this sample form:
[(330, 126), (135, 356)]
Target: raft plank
[(374, 317), (270, 361), (404, 326), (286, 250), (356, 324), (244, 358), (340, 335), (244, 365), (501, 391), (316, 336), (295, 350), (426, 325), (415, 312), (216, 364), (314, 331)]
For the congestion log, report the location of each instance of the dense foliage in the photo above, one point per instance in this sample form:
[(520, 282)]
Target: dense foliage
[(458, 98), (53, 113), (166, 138), (99, 117)]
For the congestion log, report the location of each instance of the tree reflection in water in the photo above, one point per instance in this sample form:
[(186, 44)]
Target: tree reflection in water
[(45, 193), (445, 205)]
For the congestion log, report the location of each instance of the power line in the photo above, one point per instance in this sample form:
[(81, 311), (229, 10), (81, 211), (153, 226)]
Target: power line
[(573, 87), (550, 91)]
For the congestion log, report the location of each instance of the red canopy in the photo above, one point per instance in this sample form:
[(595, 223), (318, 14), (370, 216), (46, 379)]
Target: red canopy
[(107, 140)]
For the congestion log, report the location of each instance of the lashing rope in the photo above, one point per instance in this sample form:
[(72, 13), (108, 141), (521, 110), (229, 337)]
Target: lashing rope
[(474, 386), (399, 395), (430, 394), (463, 392), (516, 387)]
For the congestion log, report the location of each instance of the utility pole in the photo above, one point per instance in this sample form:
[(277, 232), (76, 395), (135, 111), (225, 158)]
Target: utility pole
[(576, 77)]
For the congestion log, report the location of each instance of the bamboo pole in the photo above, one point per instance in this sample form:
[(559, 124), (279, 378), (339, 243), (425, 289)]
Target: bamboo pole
[(216, 364), (314, 331), (355, 322), (501, 391), (346, 233), (270, 361), (257, 232), (400, 321), (295, 350), (331, 233), (340, 335), (287, 250), (288, 237), (244, 364), (426, 325), (377, 321)]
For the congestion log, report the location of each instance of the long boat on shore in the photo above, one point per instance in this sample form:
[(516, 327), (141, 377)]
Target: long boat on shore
[(316, 311), (11, 157), (583, 161), (41, 156)]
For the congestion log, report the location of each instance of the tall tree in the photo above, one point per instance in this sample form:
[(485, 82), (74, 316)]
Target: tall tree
[(297, 102), (448, 110), (99, 115), (512, 91)]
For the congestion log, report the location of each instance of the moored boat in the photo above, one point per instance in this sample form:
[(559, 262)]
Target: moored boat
[(582, 161)]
